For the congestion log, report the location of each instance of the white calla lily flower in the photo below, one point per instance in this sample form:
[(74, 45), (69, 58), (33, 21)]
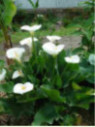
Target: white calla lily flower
[(31, 28), (28, 41), (91, 59), (2, 74), (53, 38), (93, 94), (72, 59), (40, 15), (20, 88), (17, 74), (15, 53), (52, 49)]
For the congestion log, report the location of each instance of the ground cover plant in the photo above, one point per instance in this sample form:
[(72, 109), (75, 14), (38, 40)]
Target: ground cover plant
[(53, 84)]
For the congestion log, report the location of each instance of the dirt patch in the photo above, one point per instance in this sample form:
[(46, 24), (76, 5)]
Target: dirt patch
[(84, 119)]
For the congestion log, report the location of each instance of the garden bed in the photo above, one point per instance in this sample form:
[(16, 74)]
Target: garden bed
[(49, 77)]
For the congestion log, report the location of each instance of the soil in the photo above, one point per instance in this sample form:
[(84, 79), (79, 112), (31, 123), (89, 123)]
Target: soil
[(85, 118)]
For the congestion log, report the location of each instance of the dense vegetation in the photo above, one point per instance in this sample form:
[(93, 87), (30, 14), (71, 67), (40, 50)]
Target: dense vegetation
[(53, 84)]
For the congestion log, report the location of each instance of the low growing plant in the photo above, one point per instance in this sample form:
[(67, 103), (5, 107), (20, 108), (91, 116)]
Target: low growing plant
[(47, 86)]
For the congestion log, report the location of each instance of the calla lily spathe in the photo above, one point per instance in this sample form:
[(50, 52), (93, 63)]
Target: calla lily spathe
[(15, 53), (17, 74), (2, 74), (52, 49), (31, 28), (53, 38), (91, 59), (72, 59), (40, 15), (28, 41), (20, 88)]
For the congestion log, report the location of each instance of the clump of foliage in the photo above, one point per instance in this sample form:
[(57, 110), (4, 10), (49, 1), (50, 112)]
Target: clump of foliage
[(7, 12), (53, 84), (87, 44), (46, 87), (86, 29)]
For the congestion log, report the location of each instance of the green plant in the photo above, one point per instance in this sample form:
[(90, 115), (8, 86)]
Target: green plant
[(86, 29), (46, 87), (34, 5), (7, 12), (87, 44)]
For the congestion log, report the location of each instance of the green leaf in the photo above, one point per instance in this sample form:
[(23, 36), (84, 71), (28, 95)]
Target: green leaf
[(8, 11), (46, 115), (16, 109), (58, 81), (53, 94), (31, 2), (34, 5), (77, 97), (7, 88), (78, 50), (87, 72), (69, 120), (37, 4), (1, 64), (91, 79), (76, 86), (1, 107), (85, 103)]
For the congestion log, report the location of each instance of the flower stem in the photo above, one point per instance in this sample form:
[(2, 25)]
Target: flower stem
[(55, 70), (66, 67), (33, 46), (56, 65), (72, 77), (8, 43)]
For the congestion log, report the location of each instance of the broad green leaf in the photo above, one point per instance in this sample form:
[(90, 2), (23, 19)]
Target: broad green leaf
[(80, 97), (53, 94), (45, 115), (8, 11)]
